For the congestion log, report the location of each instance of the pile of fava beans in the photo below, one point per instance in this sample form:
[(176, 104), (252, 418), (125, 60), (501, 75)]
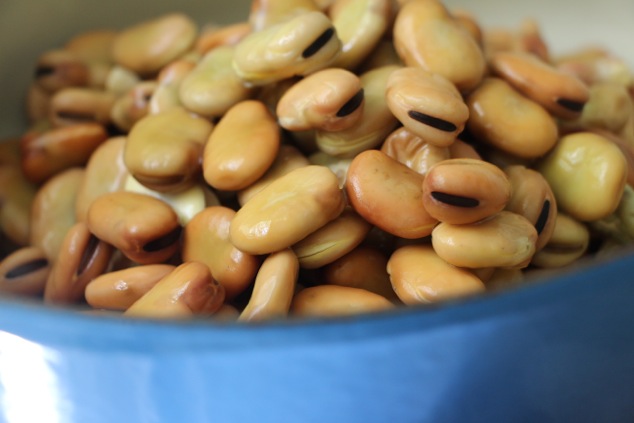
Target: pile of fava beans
[(321, 158)]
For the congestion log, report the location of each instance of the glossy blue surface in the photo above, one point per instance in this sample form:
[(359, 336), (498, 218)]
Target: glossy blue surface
[(561, 351)]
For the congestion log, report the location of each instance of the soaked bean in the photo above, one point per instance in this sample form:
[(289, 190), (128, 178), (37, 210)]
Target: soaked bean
[(333, 300), (166, 95), (274, 288), (120, 80), (427, 104), (53, 211), (266, 13), (561, 93), (609, 107), (526, 39), (469, 22), (287, 210), (414, 152), (70, 106), (419, 275), (384, 54), (187, 291), (82, 257), (120, 289), (532, 197), (213, 86), (332, 241), (338, 165), (460, 191), (330, 100), (462, 150), (59, 69), (587, 173), (206, 240), (505, 239), (216, 36), (133, 106), (388, 194), (148, 46), (93, 45), (363, 267), (242, 146), (24, 272), (164, 151), (16, 200), (427, 36), (47, 153), (503, 118), (299, 46), (360, 25), (370, 130), (144, 228), (568, 243), (595, 64)]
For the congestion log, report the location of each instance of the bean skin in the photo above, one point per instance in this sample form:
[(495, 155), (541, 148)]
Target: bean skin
[(333, 300)]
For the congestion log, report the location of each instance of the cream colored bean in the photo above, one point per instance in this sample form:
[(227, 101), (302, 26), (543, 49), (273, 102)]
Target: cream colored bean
[(212, 37), (460, 191), (420, 276), (384, 54), (187, 291), (370, 130), (425, 35), (360, 25), (24, 272), (587, 173), (388, 194), (333, 300), (213, 86), (332, 241), (299, 46), (365, 268), (70, 106), (561, 93), (503, 118), (427, 104), (121, 80), (82, 257), (329, 100), (120, 289), (133, 106), (164, 151), (16, 200), (568, 243), (266, 13), (53, 211), (274, 288), (47, 153), (505, 239), (596, 64), (287, 210), (148, 46), (242, 146), (144, 228), (338, 165), (609, 107), (206, 240), (414, 152), (532, 197), (166, 95)]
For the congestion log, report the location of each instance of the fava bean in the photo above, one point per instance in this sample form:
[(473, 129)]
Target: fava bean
[(334, 300), (569, 242), (24, 272)]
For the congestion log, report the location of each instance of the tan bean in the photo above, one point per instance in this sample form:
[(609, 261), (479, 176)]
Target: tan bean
[(274, 287), (82, 257), (596, 64), (503, 118), (287, 210), (587, 173), (148, 46), (568, 243), (460, 191), (420, 276), (212, 37), (333, 300), (365, 268), (24, 272), (70, 106), (562, 94), (370, 130), (144, 228), (414, 152), (532, 197), (505, 239), (609, 107), (427, 104), (425, 35), (527, 39), (288, 158), (206, 240), (166, 95), (213, 86), (266, 13), (338, 165), (133, 106), (53, 211), (298, 46), (16, 200), (242, 146), (330, 100), (47, 153), (57, 69), (505, 279), (388, 194), (384, 54), (360, 25), (332, 241), (38, 102), (164, 151), (120, 289), (93, 45), (187, 291), (463, 150), (469, 22)]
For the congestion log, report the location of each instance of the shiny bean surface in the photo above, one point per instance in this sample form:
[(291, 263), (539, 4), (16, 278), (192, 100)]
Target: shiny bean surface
[(569, 242), (70, 106), (333, 300)]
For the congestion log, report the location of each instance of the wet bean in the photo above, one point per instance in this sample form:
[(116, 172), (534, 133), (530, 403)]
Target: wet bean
[(133, 106), (70, 106), (16, 200), (333, 300), (213, 37), (568, 243), (24, 272)]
